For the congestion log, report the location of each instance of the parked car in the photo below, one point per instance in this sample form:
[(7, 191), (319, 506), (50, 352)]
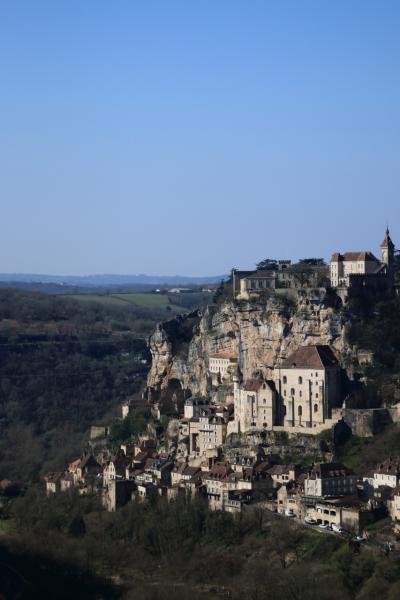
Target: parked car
[(310, 521), (359, 539), (324, 526), (337, 528), (289, 513)]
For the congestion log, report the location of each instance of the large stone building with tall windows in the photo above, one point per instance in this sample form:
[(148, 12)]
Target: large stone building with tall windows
[(308, 385), (300, 395)]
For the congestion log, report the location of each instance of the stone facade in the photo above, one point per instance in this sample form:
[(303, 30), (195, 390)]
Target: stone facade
[(254, 405), (308, 384), (330, 479), (363, 269), (302, 394), (222, 366), (260, 335)]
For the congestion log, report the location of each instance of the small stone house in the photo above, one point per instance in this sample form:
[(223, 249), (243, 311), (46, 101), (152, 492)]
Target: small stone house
[(387, 473), (330, 479)]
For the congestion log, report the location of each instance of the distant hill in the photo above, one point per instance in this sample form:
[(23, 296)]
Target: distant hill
[(108, 280)]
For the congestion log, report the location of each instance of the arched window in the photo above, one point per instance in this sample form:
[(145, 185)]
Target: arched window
[(300, 411), (300, 380), (292, 391), (315, 407), (284, 379)]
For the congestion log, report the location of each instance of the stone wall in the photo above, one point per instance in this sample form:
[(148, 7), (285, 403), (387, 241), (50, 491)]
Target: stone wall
[(261, 335), (366, 422)]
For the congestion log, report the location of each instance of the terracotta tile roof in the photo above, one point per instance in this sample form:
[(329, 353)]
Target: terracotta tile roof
[(262, 467), (72, 467), (281, 469), (354, 256), (140, 457), (219, 471), (311, 357)]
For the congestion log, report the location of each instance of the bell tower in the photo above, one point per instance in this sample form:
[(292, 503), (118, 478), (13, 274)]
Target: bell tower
[(387, 250)]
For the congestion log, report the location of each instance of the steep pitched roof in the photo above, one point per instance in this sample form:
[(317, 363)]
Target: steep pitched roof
[(387, 239), (311, 357), (354, 256)]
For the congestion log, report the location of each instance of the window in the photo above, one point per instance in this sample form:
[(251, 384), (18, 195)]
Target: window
[(300, 411), (284, 392), (292, 391), (264, 400), (284, 379), (315, 407), (300, 380), (316, 395), (300, 393)]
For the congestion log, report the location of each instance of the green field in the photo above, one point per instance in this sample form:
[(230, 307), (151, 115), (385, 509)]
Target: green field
[(146, 300)]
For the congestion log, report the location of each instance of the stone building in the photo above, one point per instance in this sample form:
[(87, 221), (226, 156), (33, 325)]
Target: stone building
[(283, 474), (290, 499), (308, 385), (221, 480), (363, 269), (254, 405), (193, 407), (387, 473), (222, 365), (394, 507), (284, 276), (206, 432), (117, 493), (329, 479), (348, 513), (52, 481), (300, 396), (182, 472)]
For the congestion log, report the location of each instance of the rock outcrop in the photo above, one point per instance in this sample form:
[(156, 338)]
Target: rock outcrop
[(261, 335)]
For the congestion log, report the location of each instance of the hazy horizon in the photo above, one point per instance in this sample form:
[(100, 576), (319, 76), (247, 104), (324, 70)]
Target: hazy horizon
[(189, 138)]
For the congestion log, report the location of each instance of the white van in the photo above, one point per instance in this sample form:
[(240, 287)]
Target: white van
[(337, 528)]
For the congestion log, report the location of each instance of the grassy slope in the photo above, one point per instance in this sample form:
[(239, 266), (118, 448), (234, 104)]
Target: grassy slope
[(363, 454), (137, 299)]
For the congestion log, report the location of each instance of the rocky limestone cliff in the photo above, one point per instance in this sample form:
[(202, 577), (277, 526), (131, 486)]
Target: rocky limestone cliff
[(261, 335)]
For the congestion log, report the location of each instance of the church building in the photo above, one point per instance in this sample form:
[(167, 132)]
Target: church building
[(363, 269)]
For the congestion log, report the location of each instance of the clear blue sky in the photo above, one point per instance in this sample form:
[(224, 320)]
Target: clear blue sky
[(189, 137)]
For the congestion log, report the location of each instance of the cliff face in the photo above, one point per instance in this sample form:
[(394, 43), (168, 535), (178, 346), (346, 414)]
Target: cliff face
[(259, 335)]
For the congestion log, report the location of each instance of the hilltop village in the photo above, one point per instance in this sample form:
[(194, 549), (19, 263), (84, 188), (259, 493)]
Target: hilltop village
[(248, 400)]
